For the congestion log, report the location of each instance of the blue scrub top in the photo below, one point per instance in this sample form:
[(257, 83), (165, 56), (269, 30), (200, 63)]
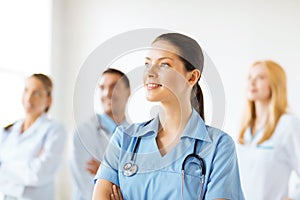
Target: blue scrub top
[(159, 177)]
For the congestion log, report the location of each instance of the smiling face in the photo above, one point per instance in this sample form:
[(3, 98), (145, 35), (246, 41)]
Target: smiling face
[(258, 88), (35, 98), (114, 93), (165, 76)]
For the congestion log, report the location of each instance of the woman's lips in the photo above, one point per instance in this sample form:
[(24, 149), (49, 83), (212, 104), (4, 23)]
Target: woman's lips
[(151, 86)]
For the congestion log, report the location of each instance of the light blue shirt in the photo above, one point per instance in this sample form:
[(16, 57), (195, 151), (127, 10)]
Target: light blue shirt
[(108, 124), (89, 142), (30, 160), (159, 177)]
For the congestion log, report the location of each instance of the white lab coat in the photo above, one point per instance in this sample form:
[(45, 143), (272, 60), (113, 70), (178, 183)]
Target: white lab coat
[(29, 161), (89, 142), (265, 169)]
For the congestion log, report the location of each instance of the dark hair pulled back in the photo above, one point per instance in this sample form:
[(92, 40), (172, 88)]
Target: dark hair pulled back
[(192, 56)]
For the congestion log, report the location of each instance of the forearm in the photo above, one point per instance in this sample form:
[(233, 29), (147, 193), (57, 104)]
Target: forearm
[(34, 173), (102, 190), (38, 170)]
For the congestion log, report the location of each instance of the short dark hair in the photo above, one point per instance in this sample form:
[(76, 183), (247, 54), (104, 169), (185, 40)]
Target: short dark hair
[(124, 78)]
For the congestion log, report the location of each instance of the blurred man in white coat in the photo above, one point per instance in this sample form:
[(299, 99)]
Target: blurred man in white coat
[(91, 138)]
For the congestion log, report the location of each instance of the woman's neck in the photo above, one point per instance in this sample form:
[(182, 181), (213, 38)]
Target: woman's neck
[(28, 121), (261, 111), (173, 120), (261, 115)]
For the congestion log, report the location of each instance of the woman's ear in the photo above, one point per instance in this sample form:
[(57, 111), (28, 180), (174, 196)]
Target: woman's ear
[(193, 76)]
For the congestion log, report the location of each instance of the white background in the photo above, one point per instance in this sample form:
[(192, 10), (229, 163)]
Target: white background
[(233, 33), (25, 48)]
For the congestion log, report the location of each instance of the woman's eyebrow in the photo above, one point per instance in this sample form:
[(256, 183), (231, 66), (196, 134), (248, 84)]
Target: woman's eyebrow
[(162, 58)]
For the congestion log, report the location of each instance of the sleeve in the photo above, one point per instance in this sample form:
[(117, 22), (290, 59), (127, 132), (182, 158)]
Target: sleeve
[(224, 179), (108, 169), (41, 169), (291, 143), (82, 180)]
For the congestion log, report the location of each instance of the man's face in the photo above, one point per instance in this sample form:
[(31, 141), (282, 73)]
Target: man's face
[(113, 94)]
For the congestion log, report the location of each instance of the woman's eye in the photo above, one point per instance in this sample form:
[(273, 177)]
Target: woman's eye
[(164, 65)]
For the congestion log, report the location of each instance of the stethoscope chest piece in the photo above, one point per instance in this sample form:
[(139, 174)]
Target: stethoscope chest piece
[(130, 169)]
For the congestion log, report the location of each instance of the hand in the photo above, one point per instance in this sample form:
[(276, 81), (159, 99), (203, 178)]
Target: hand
[(116, 195), (92, 166)]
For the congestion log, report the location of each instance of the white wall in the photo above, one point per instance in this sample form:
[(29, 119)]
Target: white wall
[(233, 33), (25, 43)]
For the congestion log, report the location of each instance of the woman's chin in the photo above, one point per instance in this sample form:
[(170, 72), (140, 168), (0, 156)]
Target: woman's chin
[(152, 99)]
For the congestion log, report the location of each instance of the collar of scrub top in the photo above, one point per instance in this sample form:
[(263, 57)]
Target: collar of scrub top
[(195, 128)]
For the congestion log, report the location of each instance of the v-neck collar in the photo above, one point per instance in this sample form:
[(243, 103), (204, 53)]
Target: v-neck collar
[(195, 128), (31, 130)]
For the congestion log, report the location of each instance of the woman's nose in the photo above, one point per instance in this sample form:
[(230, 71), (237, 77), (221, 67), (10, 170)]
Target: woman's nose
[(151, 71)]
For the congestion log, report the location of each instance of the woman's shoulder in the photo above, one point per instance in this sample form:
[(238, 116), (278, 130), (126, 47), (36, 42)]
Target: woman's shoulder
[(289, 117), (217, 135), (50, 124), (220, 143), (5, 131), (288, 120), (9, 127), (287, 127)]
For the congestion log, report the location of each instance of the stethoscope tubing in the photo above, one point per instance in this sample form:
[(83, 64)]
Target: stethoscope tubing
[(130, 168), (135, 149), (203, 169)]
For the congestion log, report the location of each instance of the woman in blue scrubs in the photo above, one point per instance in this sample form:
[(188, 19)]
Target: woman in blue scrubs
[(175, 155)]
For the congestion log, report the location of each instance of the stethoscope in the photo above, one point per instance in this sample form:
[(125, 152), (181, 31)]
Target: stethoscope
[(203, 169), (130, 168)]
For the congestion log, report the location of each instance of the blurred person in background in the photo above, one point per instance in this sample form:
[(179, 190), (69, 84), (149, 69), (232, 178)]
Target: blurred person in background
[(91, 138), (269, 139), (31, 149)]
